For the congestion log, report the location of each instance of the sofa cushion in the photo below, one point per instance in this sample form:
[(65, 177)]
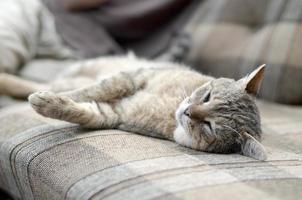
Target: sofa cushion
[(42, 158), (232, 37)]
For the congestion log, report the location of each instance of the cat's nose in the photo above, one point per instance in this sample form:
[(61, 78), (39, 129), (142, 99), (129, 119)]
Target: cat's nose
[(196, 112), (186, 112)]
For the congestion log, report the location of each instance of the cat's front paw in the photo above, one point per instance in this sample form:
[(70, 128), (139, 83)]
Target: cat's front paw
[(48, 104)]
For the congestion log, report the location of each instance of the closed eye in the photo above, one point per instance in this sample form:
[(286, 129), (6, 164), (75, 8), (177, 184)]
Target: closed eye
[(208, 124), (207, 97)]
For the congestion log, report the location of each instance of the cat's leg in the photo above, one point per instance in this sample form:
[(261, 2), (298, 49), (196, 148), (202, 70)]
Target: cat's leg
[(112, 88), (17, 87), (90, 115)]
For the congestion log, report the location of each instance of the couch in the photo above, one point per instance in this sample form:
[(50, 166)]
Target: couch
[(42, 158), (48, 159), (231, 37)]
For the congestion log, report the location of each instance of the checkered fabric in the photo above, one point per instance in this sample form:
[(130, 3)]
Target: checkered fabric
[(232, 37), (47, 159)]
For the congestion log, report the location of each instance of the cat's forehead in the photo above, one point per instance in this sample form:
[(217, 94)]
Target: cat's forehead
[(225, 84), (229, 90)]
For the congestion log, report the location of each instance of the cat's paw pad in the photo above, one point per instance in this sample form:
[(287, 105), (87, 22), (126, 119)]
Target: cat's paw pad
[(48, 104)]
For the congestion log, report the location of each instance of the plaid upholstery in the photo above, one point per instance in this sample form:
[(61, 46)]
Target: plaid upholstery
[(231, 37), (47, 159)]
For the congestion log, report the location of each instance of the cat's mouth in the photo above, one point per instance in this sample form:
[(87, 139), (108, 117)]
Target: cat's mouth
[(181, 118), (184, 120)]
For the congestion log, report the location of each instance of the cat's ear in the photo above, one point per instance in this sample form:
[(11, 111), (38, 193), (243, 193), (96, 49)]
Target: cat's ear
[(252, 82), (251, 147)]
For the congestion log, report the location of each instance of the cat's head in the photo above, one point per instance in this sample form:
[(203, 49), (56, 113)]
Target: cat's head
[(221, 117)]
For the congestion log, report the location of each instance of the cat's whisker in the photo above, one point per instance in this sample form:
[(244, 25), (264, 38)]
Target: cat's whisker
[(231, 128), (188, 128), (181, 97), (181, 94), (184, 92)]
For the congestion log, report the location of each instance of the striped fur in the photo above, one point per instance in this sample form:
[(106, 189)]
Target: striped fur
[(151, 98)]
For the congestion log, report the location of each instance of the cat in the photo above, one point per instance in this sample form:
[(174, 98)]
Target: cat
[(158, 99)]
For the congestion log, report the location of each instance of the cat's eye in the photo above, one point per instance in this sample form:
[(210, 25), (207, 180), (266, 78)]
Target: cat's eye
[(207, 97)]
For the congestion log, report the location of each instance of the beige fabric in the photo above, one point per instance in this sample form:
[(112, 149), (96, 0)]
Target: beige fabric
[(47, 159), (233, 37)]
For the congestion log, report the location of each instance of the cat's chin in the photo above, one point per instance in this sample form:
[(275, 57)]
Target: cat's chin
[(182, 137)]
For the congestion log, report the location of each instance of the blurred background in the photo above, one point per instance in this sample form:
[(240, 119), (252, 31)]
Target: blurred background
[(217, 37)]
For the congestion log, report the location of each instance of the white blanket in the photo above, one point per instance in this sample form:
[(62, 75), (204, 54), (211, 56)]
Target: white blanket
[(27, 30)]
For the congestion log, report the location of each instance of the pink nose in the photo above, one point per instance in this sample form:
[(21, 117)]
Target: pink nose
[(196, 112)]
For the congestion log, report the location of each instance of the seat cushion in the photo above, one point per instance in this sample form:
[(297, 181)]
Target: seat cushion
[(42, 158), (233, 37)]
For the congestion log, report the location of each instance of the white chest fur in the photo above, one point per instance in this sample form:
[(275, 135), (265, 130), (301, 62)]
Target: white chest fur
[(181, 137)]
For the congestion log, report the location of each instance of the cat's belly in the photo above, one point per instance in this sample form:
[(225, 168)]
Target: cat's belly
[(175, 82), (150, 112)]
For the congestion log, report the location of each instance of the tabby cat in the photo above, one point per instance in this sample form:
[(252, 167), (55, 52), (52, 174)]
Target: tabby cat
[(157, 99)]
